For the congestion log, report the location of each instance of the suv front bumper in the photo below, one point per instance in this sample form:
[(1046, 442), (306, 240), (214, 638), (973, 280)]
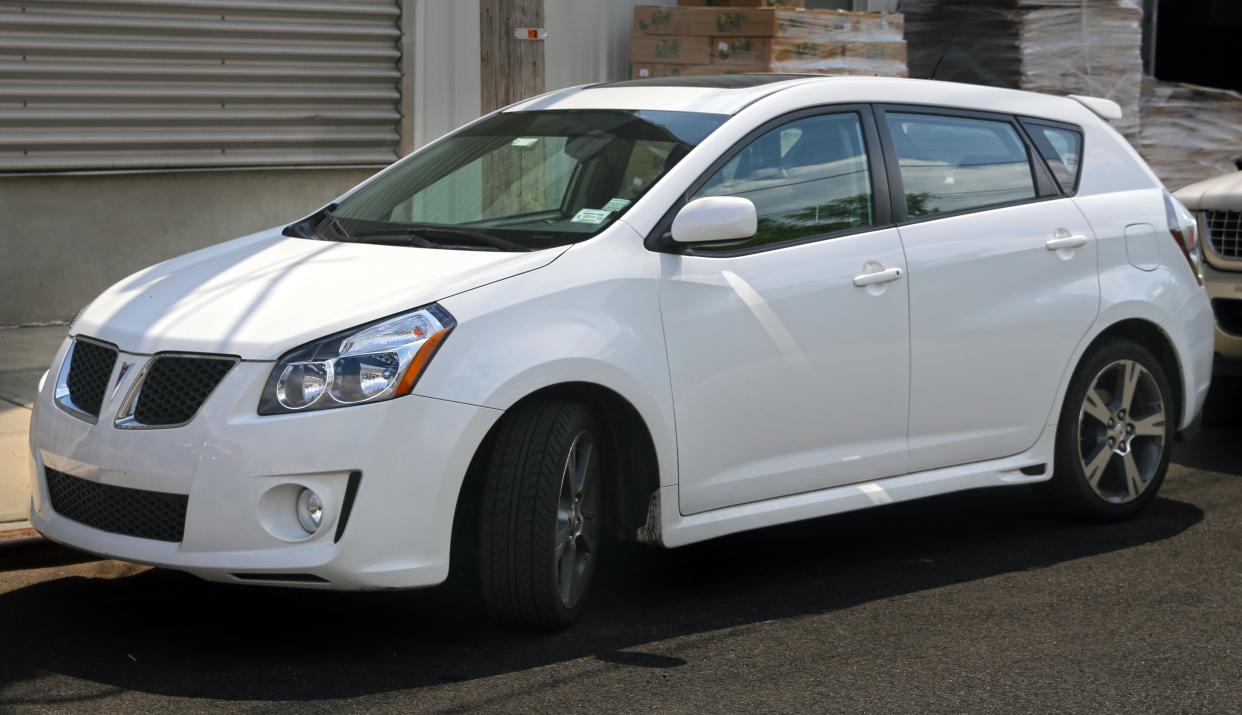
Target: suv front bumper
[(1224, 286), (241, 472)]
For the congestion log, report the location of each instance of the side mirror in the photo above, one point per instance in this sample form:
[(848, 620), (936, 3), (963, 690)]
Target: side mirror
[(715, 218)]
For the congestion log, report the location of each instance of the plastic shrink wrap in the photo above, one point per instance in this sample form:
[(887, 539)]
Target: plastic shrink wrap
[(1090, 47), (1190, 133), (972, 42)]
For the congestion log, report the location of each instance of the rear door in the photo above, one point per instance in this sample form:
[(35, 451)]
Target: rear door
[(1002, 278)]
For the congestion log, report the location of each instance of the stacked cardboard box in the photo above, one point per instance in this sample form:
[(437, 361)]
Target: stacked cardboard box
[(1189, 133), (739, 3), (737, 36), (1089, 47), (955, 41)]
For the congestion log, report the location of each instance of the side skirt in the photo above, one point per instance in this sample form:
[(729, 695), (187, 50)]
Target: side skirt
[(677, 530)]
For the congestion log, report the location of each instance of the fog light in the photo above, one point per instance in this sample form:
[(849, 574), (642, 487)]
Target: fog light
[(310, 510)]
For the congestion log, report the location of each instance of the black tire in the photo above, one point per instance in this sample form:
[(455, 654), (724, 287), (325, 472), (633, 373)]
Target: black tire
[(524, 520), (1081, 433)]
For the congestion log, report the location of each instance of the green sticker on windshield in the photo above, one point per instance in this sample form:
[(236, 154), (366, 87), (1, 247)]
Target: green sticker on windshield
[(616, 204), (525, 142), (590, 216)]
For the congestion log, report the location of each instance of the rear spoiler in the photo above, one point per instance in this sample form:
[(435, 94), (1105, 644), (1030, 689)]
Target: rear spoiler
[(1105, 108)]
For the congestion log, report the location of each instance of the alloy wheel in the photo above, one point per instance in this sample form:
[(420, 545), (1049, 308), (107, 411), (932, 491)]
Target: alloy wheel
[(577, 520), (1121, 431)]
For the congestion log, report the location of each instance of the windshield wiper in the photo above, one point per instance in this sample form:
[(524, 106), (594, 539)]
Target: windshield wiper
[(417, 236), (330, 218), (393, 237)]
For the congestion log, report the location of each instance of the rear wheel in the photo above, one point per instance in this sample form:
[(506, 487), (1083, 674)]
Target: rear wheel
[(539, 522), (1115, 433)]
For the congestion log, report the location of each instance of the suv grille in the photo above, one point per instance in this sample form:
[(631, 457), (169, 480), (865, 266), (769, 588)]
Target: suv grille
[(1225, 233), (175, 386), (119, 510), (89, 371)]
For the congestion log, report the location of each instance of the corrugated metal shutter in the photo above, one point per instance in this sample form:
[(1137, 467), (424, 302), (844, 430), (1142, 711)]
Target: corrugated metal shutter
[(146, 84)]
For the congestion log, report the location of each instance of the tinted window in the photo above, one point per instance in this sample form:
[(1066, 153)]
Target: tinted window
[(808, 177), (955, 164), (1062, 148)]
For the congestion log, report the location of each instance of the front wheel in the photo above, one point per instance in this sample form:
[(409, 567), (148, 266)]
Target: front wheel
[(1115, 433), (539, 521)]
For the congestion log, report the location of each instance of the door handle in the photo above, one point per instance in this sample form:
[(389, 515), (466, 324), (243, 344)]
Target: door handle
[(1057, 244), (885, 276)]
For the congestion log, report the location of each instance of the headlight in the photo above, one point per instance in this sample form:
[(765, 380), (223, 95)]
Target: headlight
[(368, 364)]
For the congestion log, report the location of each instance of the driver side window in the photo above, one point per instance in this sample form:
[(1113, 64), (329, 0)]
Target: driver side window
[(807, 178)]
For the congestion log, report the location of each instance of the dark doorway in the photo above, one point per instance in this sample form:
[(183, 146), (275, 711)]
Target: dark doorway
[(1196, 42)]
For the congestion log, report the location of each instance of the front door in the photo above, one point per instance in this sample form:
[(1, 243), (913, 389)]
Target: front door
[(789, 352)]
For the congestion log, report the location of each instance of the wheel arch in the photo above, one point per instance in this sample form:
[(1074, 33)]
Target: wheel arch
[(632, 478), (1151, 336)]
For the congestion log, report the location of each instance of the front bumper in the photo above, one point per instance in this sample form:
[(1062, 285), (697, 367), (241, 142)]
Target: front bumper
[(1225, 285), (240, 470)]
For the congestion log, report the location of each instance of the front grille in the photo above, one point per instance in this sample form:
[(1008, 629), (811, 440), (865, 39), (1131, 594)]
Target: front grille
[(175, 386), (119, 510), (1225, 233), (1228, 315), (89, 369)]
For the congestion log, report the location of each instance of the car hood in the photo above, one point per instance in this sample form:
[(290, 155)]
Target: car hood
[(1220, 193), (259, 296)]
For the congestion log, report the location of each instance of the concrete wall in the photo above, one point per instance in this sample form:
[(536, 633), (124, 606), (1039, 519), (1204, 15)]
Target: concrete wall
[(64, 238)]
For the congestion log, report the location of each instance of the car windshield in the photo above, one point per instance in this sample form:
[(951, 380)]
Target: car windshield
[(517, 181)]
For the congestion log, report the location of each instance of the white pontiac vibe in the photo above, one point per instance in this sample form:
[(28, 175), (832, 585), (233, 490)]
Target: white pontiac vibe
[(660, 310)]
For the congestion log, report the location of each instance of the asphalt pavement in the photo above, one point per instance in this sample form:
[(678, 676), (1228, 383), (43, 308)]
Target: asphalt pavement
[(974, 602)]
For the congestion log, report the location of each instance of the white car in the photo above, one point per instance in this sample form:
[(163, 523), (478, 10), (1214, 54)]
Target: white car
[(667, 309)]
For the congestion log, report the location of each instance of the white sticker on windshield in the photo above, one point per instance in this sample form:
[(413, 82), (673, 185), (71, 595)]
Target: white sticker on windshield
[(616, 204), (525, 142), (590, 216)]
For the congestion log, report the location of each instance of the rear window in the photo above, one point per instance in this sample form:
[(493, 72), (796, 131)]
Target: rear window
[(951, 164)]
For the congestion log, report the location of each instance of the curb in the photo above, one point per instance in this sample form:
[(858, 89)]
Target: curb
[(16, 538), (24, 548)]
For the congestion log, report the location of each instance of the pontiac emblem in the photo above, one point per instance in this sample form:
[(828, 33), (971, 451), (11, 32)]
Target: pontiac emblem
[(120, 375)]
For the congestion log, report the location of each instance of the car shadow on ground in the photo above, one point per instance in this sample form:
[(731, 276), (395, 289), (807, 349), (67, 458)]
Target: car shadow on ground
[(165, 633), (1218, 448)]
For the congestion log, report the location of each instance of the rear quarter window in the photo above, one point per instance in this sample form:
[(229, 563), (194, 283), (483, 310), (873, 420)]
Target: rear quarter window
[(1061, 147)]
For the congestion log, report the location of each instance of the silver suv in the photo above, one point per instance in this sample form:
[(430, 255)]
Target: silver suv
[(1217, 205)]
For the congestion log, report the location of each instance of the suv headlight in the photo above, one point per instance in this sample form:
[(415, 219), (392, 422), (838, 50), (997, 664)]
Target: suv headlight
[(370, 363)]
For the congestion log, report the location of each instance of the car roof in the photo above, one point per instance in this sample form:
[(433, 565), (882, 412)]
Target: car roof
[(712, 94), (730, 94), (717, 81), (1222, 193)]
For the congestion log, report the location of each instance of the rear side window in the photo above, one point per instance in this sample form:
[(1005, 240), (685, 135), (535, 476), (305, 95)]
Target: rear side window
[(951, 164), (1062, 149), (806, 178)]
